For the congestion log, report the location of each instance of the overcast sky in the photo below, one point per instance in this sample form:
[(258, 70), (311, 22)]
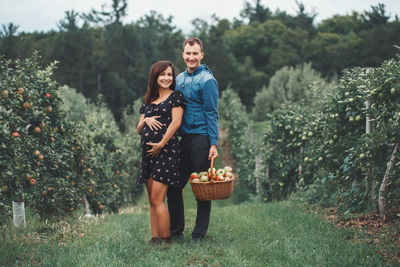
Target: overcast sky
[(43, 15)]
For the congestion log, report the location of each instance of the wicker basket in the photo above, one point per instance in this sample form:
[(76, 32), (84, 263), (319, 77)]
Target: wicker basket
[(212, 190)]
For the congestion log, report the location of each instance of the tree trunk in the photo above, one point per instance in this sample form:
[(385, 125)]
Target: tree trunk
[(98, 82), (371, 185), (21, 197), (382, 190), (257, 173), (300, 169), (87, 211), (370, 175)]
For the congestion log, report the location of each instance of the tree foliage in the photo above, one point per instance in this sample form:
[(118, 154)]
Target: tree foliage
[(50, 158), (322, 148), (289, 84), (99, 54)]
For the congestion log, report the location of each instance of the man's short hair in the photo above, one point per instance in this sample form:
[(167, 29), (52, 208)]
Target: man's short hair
[(191, 41)]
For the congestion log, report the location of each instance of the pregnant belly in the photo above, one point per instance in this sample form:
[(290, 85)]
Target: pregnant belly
[(152, 136)]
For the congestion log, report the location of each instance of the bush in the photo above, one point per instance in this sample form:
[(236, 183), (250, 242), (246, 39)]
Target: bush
[(76, 104), (245, 142), (288, 85), (112, 158), (132, 152)]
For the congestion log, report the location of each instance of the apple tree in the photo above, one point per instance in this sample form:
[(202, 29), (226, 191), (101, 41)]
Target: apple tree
[(37, 144)]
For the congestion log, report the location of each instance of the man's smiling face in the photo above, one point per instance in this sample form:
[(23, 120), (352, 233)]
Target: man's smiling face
[(192, 55)]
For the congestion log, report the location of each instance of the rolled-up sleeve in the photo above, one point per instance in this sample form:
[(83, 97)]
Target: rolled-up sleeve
[(210, 105)]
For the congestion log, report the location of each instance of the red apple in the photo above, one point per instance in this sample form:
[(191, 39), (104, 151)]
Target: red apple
[(36, 130), (211, 175), (194, 175), (220, 178)]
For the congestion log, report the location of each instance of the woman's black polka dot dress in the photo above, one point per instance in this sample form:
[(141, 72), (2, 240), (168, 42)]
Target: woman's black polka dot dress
[(165, 167)]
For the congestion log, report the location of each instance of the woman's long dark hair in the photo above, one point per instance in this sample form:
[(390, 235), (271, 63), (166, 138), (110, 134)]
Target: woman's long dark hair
[(152, 87)]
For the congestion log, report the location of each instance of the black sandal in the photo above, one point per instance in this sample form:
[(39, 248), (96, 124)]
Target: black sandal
[(154, 241)]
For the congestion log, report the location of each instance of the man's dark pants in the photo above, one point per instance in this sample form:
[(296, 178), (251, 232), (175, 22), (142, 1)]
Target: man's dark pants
[(194, 158)]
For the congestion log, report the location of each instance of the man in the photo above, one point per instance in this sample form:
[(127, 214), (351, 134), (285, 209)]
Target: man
[(199, 131)]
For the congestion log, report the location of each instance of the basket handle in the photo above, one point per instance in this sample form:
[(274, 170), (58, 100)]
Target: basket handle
[(212, 163), (213, 175)]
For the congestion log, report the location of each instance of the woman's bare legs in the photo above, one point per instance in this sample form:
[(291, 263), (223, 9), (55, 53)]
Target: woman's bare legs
[(153, 218), (159, 209)]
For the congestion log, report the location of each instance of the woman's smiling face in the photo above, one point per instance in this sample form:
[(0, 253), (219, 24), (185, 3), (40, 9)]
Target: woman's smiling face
[(165, 78)]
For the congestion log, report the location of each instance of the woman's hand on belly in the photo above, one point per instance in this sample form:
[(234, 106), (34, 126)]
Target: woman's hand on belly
[(153, 123), (155, 149)]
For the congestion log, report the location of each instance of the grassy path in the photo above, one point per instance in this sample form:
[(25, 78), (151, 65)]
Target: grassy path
[(273, 234)]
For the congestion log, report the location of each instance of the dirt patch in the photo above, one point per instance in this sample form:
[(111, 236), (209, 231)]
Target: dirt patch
[(383, 235)]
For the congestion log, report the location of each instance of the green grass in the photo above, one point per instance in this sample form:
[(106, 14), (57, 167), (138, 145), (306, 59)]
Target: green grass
[(254, 234)]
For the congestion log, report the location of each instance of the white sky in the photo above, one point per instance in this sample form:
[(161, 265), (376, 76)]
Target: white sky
[(43, 15)]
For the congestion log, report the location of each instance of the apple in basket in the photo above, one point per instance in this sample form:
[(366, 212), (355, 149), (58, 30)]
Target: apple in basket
[(195, 180), (228, 169), (220, 178), (202, 174), (212, 171), (228, 175), (194, 175), (204, 178), (220, 172), (211, 176)]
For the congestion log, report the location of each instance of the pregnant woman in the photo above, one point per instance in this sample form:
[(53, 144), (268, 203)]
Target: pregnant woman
[(161, 116)]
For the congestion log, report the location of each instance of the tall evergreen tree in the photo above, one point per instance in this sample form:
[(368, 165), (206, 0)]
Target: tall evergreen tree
[(108, 15), (9, 40)]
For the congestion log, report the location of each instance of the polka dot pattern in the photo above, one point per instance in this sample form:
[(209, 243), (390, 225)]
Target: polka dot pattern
[(163, 168)]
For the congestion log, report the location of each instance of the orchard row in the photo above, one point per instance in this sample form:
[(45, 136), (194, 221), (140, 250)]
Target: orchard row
[(334, 148), (52, 162)]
